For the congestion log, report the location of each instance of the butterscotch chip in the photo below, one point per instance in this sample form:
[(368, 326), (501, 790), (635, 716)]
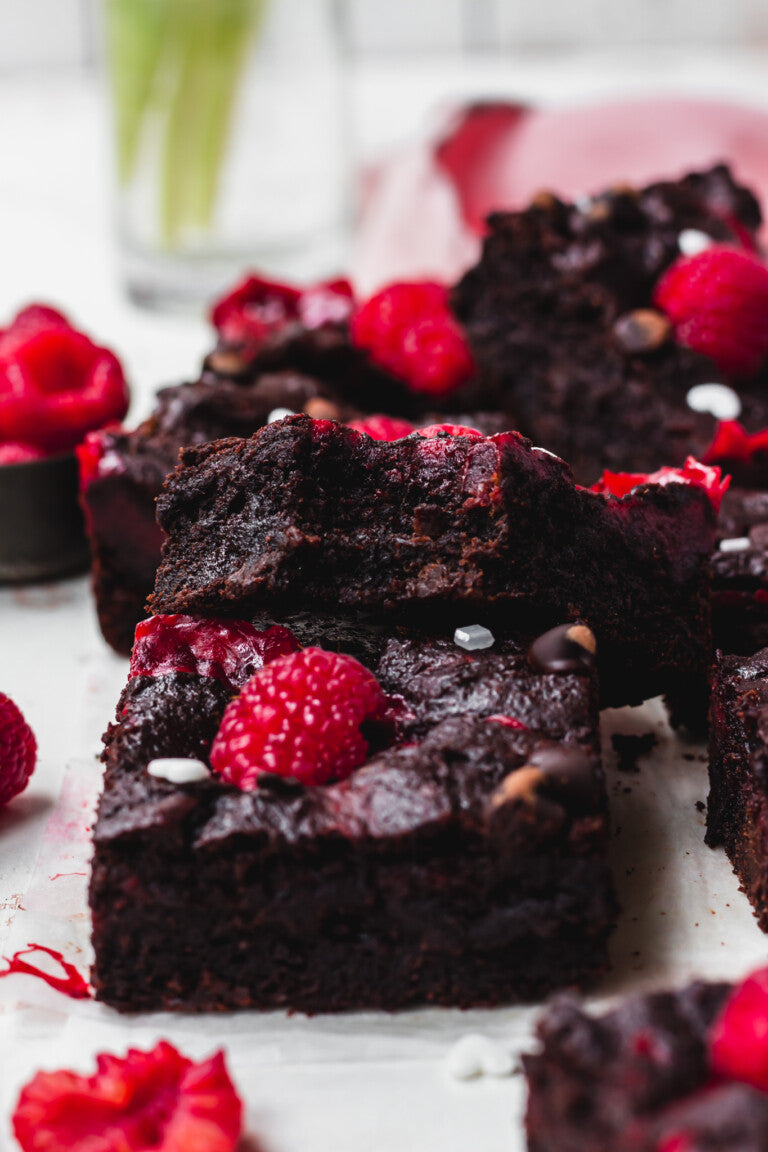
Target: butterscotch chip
[(583, 636), (643, 330), (320, 409), (519, 785)]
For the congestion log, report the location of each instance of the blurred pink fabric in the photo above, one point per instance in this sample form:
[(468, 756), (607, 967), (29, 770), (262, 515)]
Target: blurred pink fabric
[(423, 208)]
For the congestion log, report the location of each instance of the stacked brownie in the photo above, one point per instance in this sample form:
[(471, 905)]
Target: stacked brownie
[(464, 861), (567, 344)]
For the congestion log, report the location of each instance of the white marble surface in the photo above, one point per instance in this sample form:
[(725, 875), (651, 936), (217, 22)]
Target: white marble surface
[(362, 1082)]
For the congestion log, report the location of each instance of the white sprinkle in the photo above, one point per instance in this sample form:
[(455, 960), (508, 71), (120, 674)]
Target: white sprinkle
[(735, 544), (717, 399), (178, 769), (279, 414), (691, 241), (546, 452), (584, 203), (473, 637), (475, 1055)]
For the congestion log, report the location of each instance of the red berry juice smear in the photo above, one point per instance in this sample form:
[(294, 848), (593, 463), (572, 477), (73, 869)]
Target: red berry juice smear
[(72, 983)]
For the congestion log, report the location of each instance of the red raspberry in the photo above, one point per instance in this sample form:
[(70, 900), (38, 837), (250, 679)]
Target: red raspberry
[(409, 330), (718, 304), (229, 650), (433, 430), (15, 453), (55, 383), (156, 1101), (383, 427), (733, 445), (18, 750), (738, 1043), (699, 475), (301, 717), (256, 308)]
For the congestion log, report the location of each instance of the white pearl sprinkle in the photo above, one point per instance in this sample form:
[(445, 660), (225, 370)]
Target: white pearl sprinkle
[(717, 399), (735, 544), (178, 769), (692, 241), (473, 637), (279, 414), (584, 203), (475, 1055)]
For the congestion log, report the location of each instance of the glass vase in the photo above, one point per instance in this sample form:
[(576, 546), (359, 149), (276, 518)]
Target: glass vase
[(229, 142)]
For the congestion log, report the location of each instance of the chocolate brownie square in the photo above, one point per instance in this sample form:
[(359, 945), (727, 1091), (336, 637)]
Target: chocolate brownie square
[(312, 513), (560, 317), (740, 573), (462, 864), (655, 1074), (737, 811)]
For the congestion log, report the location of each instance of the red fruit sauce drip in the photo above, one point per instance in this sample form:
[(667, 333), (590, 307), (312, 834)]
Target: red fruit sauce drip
[(72, 984)]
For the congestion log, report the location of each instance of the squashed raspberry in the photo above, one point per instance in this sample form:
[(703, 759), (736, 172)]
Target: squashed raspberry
[(718, 304), (18, 750), (257, 308), (383, 427), (14, 453), (732, 445), (228, 650), (693, 472), (738, 1044), (433, 430), (301, 717), (55, 383), (156, 1101), (408, 329), (509, 722)]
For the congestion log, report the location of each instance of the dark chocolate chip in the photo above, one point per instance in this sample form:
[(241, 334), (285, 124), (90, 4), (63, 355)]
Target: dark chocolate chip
[(567, 648), (565, 772), (273, 782), (643, 330), (226, 362)]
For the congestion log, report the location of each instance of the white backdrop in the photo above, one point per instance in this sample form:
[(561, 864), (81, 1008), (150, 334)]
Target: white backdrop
[(47, 33)]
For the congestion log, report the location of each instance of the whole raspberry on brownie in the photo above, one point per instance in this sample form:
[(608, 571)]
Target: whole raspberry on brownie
[(18, 750), (718, 304), (55, 383), (258, 308), (409, 330), (383, 427), (157, 1100), (300, 717)]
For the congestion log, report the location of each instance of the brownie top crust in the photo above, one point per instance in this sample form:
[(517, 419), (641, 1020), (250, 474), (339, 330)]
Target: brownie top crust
[(464, 774)]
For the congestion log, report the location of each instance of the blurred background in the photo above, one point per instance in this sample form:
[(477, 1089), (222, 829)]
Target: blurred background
[(327, 116)]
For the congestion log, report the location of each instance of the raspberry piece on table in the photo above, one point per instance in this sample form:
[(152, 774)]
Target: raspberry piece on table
[(55, 383), (14, 453), (300, 717), (738, 1044), (383, 427), (18, 750), (156, 1101), (409, 330), (718, 304), (228, 650), (700, 475), (257, 308)]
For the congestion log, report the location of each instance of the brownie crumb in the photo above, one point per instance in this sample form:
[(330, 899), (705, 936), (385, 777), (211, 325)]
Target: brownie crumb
[(629, 748)]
